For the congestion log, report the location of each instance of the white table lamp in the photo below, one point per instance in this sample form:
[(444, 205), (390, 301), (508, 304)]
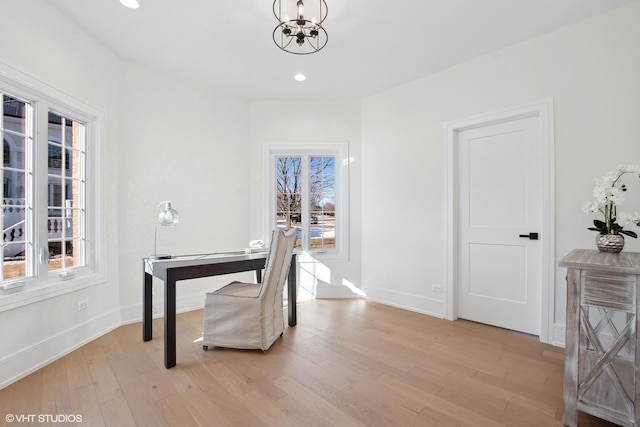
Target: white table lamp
[(167, 217)]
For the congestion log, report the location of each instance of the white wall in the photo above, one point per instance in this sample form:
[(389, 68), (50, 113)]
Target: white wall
[(185, 143), (317, 122), (165, 138), (52, 52), (591, 71)]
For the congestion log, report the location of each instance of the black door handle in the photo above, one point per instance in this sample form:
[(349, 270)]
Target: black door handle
[(532, 236)]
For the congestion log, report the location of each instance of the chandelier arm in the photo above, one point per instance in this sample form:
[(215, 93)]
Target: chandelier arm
[(279, 14), (282, 45), (326, 12)]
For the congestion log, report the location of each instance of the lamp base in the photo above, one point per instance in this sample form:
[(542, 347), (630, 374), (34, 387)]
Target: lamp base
[(159, 256)]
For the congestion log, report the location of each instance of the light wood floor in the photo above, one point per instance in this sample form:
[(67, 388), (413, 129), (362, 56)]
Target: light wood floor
[(347, 363)]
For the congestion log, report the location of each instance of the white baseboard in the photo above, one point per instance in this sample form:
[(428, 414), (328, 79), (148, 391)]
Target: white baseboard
[(133, 313), (411, 302), (558, 338), (323, 291), (28, 360), (436, 308)]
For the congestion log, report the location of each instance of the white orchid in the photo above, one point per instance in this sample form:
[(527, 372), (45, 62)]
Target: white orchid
[(609, 194), (629, 220), (591, 207), (630, 169)]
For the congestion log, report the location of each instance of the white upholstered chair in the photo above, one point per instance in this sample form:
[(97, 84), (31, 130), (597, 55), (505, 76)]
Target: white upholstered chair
[(250, 315)]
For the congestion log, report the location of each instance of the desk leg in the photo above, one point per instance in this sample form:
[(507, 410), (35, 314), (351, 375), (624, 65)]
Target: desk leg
[(169, 322), (292, 293), (147, 305)]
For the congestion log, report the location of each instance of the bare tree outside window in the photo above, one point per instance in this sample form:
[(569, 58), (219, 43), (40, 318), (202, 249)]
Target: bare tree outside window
[(322, 200), (289, 190)]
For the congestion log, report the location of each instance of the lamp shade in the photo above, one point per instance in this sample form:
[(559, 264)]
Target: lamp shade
[(167, 217)]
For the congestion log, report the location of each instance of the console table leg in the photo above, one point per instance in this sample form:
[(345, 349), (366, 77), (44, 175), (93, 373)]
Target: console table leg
[(572, 344)]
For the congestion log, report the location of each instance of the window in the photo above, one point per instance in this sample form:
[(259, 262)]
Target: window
[(308, 192), (49, 195)]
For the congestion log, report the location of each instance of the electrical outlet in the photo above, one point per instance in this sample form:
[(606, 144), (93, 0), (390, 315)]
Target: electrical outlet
[(436, 288), (82, 305)]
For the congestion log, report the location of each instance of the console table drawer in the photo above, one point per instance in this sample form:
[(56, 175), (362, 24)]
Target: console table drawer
[(615, 291)]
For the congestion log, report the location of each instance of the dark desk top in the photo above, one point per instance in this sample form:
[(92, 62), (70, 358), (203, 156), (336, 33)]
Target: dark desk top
[(202, 265)]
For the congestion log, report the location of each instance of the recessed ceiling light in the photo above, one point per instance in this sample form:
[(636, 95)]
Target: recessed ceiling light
[(300, 77), (131, 4)]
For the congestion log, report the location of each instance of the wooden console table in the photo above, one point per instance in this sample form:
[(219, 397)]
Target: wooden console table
[(602, 351)]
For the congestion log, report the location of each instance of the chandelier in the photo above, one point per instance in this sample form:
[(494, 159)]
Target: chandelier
[(300, 35)]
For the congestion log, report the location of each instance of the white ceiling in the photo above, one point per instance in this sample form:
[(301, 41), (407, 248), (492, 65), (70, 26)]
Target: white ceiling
[(373, 44)]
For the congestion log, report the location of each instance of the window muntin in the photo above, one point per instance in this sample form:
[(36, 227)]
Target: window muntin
[(309, 192)]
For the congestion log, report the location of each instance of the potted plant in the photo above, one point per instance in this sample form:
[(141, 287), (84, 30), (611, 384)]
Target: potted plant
[(609, 194)]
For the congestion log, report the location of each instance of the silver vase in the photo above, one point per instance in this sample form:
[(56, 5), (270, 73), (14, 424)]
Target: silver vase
[(612, 243)]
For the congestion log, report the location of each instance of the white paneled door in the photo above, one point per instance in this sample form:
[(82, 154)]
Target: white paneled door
[(499, 223)]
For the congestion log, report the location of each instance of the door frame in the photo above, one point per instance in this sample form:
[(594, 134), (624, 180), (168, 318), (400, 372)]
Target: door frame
[(544, 111)]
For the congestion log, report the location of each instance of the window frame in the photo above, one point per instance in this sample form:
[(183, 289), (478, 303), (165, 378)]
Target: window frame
[(44, 284), (341, 153)]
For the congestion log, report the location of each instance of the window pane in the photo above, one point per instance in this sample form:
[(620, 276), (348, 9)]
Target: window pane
[(66, 186), (59, 164), (14, 267), (65, 253), (14, 115), (322, 201), (14, 152), (15, 130), (289, 193), (13, 186), (14, 229)]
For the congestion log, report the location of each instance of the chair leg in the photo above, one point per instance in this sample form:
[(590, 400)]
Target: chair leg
[(205, 347)]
